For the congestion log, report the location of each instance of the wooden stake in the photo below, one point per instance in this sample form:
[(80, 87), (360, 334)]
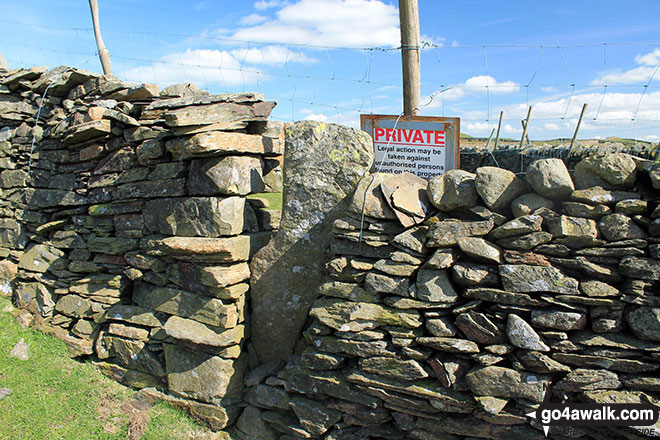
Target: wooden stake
[(497, 136), (104, 54), (489, 139), (525, 126), (409, 24), (577, 127)]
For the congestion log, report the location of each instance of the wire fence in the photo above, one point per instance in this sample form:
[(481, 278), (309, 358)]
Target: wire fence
[(620, 83)]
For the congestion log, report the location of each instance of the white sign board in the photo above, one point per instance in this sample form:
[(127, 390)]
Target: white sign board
[(423, 146)]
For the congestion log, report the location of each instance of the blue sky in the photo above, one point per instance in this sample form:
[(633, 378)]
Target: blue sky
[(334, 59)]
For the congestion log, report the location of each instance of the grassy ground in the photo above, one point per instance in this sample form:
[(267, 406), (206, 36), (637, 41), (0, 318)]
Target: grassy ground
[(55, 397), (275, 199)]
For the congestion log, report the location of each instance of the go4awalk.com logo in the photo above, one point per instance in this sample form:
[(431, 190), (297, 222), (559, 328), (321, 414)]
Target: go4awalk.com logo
[(638, 415)]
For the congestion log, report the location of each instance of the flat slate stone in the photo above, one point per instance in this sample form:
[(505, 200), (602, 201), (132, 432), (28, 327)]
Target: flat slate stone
[(507, 383), (523, 278)]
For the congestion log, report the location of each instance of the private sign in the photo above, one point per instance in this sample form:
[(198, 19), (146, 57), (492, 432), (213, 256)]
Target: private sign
[(424, 146)]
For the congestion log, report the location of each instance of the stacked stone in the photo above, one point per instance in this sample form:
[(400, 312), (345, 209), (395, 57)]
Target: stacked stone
[(128, 225), (454, 326)]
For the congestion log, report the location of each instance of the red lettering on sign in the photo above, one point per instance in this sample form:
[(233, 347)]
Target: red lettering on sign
[(418, 137), (379, 132), (440, 138)]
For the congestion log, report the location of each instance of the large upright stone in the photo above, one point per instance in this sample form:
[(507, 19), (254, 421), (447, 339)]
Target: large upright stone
[(323, 164)]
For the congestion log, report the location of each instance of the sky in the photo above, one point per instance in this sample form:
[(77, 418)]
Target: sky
[(332, 60)]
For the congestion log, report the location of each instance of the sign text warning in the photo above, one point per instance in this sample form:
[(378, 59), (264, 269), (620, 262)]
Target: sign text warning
[(421, 152)]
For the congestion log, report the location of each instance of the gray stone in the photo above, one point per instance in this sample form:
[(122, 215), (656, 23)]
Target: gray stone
[(528, 203), (522, 335), (447, 232), (501, 297), (207, 250), (187, 330), (559, 320), (216, 281), (523, 278), (392, 367), (518, 226), (550, 178), (631, 207), (406, 195), (575, 230), (498, 187), (182, 90), (315, 417), (218, 143), (368, 197), (597, 195), (507, 383), (478, 327), (469, 274), (318, 182), (375, 282), (595, 288), (352, 316), (133, 355), (442, 259), (453, 190), (74, 305), (582, 379), (251, 425), (644, 322), (442, 327), (642, 268), (231, 175), (201, 376), (525, 242), (434, 286), (20, 350), (40, 258), (617, 227), (224, 115), (576, 209), (195, 216), (200, 308), (4, 392), (451, 345), (541, 363), (413, 239), (394, 268), (349, 291), (480, 249)]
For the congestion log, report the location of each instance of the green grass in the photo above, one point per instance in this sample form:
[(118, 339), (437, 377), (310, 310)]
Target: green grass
[(55, 397), (275, 199)]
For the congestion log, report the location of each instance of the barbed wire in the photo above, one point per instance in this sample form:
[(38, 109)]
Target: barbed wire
[(314, 87)]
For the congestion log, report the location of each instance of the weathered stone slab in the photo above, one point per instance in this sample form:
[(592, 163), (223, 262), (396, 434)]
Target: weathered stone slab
[(217, 281), (232, 115), (210, 250), (196, 375), (40, 258), (195, 332), (217, 143), (352, 316), (368, 197), (447, 232), (232, 175), (507, 383), (453, 190), (323, 163), (200, 308), (195, 216), (523, 278)]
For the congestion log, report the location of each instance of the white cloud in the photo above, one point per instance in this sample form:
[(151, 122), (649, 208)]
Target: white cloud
[(271, 55), (265, 4), (648, 66), (252, 19), (341, 23), (316, 117), (548, 89), (201, 66), (652, 138), (650, 59), (473, 85), (552, 126)]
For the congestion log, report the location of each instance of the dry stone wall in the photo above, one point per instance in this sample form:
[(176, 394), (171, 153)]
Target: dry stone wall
[(125, 229), (450, 319)]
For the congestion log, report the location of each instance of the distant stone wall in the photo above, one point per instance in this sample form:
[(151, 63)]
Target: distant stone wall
[(125, 229), (451, 305)]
